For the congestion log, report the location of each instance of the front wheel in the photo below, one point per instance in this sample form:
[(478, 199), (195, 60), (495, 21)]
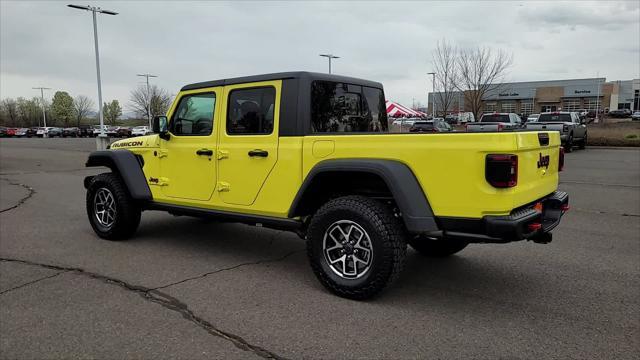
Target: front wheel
[(112, 212), (583, 143), (356, 246), (437, 248), (568, 146)]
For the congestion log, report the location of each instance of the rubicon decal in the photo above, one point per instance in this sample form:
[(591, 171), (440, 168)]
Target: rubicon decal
[(126, 144), (543, 161)]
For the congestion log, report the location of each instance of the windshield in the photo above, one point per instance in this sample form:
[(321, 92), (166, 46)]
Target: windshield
[(554, 118), (503, 118)]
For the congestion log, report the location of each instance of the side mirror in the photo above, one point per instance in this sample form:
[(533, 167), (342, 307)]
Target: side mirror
[(160, 126)]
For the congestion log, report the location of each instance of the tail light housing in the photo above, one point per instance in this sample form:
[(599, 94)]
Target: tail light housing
[(501, 170), (561, 159), (500, 126), (565, 128)]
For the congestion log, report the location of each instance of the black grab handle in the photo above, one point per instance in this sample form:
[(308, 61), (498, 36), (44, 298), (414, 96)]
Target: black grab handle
[(259, 153), (206, 152)]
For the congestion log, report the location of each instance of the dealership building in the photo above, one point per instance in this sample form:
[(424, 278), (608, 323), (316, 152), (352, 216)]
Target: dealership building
[(553, 95)]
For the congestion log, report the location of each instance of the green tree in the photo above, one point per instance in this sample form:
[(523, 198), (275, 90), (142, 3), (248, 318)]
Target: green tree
[(62, 108), (9, 109), (29, 112), (112, 111)]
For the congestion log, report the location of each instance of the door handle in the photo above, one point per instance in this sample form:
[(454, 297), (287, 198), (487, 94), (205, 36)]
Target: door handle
[(259, 153), (206, 152)]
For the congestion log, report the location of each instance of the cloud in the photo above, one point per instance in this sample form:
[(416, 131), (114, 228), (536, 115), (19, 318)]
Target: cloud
[(46, 43)]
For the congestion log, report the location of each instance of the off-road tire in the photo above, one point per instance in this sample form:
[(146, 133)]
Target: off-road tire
[(437, 248), (387, 241), (127, 216), (568, 146), (583, 143)]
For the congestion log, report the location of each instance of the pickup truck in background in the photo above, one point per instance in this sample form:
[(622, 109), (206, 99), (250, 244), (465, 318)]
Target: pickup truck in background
[(572, 128), (495, 122)]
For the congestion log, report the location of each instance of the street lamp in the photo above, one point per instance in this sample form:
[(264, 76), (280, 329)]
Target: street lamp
[(44, 113), (330, 56), (101, 140), (148, 97), (433, 94)]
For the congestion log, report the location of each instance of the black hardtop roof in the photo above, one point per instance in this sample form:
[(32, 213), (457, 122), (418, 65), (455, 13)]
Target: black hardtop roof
[(281, 76)]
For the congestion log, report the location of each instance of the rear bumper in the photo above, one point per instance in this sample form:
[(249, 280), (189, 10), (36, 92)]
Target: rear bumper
[(525, 223)]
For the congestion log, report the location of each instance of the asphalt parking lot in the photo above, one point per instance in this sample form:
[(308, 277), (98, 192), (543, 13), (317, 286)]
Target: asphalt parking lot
[(190, 289)]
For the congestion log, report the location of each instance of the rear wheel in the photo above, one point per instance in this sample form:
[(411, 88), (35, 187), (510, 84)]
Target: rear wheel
[(112, 212), (356, 246), (437, 248)]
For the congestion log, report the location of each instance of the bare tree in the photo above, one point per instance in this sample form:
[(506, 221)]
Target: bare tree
[(480, 71), (82, 106), (444, 62), (139, 101), (10, 110)]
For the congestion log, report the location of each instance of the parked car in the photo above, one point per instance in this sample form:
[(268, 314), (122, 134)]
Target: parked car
[(85, 131), (635, 115), (43, 131), (54, 132), (431, 126), (23, 132), (11, 132), (70, 132), (357, 201), (140, 131), (123, 131), (96, 129), (533, 117), (496, 122), (466, 117), (619, 113), (112, 131), (3, 131), (572, 129)]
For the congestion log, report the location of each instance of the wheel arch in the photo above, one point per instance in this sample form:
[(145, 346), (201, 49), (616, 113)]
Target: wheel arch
[(127, 166), (380, 175)]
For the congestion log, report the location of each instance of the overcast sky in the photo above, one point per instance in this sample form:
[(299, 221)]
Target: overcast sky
[(45, 43)]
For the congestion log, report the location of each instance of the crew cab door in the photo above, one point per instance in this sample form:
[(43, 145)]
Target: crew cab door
[(579, 128), (248, 141), (187, 158)]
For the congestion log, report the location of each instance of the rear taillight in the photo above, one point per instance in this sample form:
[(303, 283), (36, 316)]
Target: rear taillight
[(500, 126), (561, 159), (501, 170), (565, 128)]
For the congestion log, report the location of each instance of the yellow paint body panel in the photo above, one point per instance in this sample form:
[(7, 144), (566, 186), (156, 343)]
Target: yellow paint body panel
[(450, 167)]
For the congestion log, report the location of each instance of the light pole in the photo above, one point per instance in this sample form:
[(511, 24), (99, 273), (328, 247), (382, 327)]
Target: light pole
[(101, 140), (330, 56), (44, 113), (148, 97), (433, 94)]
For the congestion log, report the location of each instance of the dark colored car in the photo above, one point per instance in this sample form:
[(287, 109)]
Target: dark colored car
[(70, 132), (3, 131), (53, 132), (619, 113), (430, 126), (85, 131), (123, 131)]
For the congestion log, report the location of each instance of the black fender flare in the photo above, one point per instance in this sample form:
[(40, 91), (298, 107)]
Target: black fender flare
[(124, 163), (399, 178)]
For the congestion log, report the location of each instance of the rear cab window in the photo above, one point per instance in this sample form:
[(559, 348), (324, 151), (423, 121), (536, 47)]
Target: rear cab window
[(495, 118), (555, 118), (347, 108)]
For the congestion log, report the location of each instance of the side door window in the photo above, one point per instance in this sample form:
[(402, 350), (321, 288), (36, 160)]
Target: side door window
[(248, 142), (194, 115)]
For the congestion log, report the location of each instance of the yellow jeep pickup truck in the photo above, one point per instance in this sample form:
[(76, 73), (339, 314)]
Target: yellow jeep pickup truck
[(312, 153)]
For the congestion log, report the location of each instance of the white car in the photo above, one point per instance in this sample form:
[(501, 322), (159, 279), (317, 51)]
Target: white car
[(140, 131), (635, 115), (43, 130)]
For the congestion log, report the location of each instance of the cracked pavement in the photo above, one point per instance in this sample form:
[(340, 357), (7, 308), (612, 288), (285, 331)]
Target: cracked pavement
[(189, 289)]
